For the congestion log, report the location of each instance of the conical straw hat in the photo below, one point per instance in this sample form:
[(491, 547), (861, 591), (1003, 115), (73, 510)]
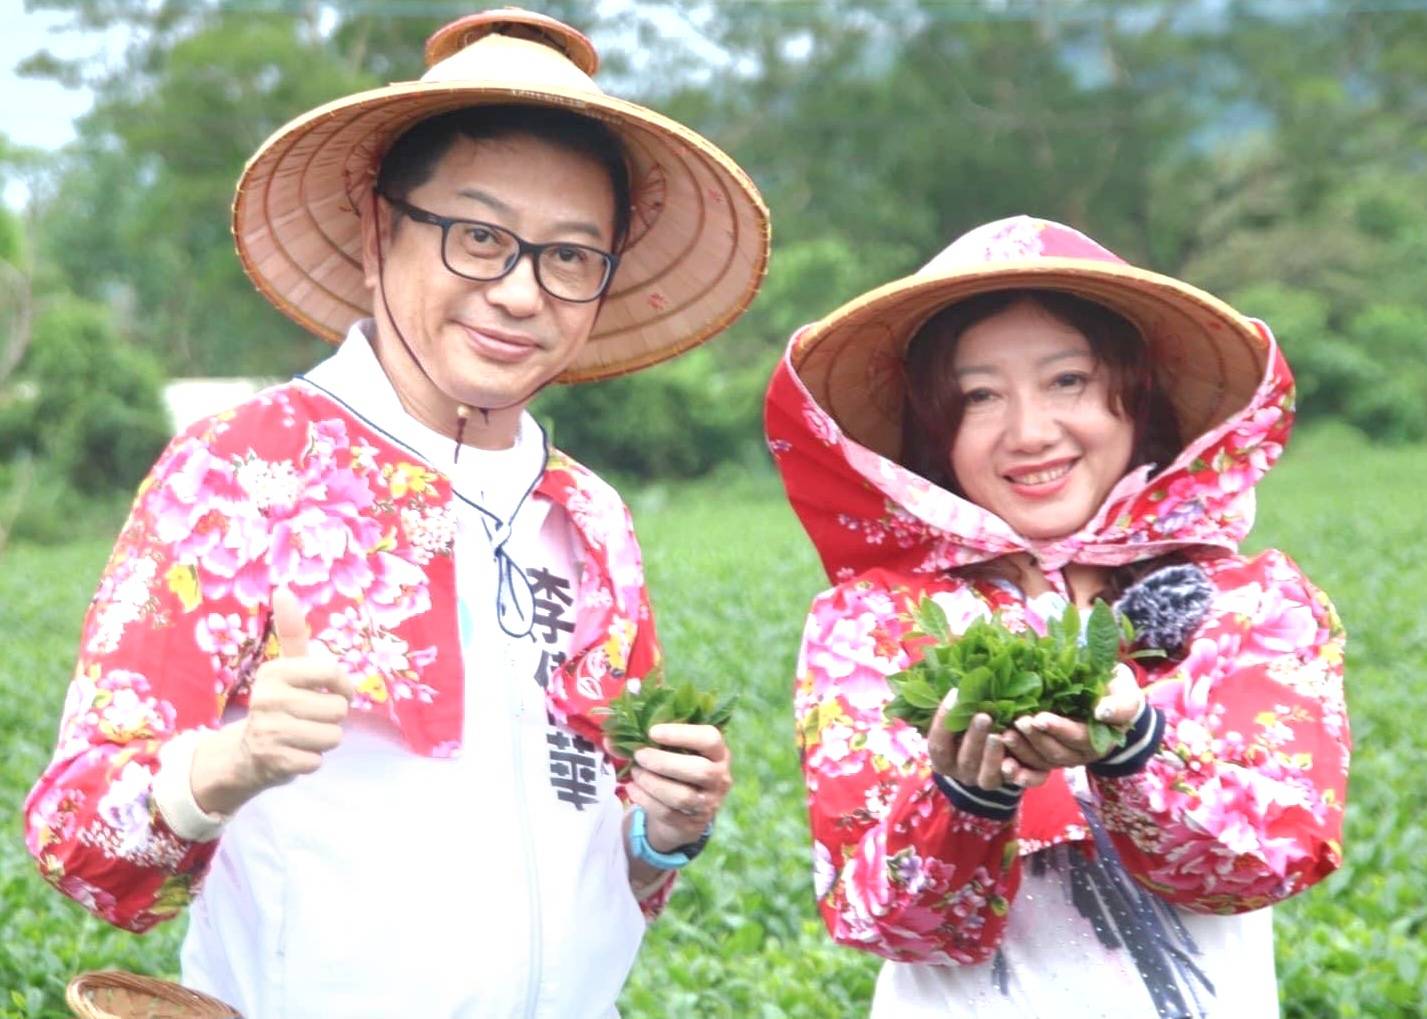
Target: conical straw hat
[(1208, 358), (698, 237)]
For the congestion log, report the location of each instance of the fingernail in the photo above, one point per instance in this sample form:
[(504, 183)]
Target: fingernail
[(1008, 771), (1041, 723), (1103, 712), (1024, 724)]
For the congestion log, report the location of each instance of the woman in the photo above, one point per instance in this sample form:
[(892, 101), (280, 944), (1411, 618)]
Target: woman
[(1027, 422)]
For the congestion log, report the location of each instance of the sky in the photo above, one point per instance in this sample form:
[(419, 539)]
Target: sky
[(35, 111), (38, 112)]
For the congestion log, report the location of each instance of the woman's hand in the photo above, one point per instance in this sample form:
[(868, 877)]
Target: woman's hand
[(976, 757), (1045, 741), (680, 792)]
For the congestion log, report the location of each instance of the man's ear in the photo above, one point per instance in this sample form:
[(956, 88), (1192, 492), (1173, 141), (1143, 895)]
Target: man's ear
[(375, 226)]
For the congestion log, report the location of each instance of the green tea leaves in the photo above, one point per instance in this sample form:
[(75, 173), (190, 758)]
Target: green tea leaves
[(1007, 675), (630, 716), (931, 620), (1024, 684), (919, 693), (1102, 638), (1104, 738)]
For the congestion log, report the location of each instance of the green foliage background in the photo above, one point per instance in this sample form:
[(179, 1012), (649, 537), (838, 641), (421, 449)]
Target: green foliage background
[(732, 575), (95, 417)]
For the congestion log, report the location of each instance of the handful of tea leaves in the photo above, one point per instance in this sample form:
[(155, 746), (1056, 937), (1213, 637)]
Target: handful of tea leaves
[(631, 714), (1007, 675)]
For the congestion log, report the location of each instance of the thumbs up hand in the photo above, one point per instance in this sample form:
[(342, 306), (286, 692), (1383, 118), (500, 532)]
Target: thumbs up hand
[(295, 713)]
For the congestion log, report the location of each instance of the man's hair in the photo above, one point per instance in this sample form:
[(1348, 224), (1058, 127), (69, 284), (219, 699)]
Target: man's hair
[(933, 409), (412, 159)]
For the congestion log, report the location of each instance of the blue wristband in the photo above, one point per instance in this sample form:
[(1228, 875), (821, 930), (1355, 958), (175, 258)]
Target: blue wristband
[(643, 851)]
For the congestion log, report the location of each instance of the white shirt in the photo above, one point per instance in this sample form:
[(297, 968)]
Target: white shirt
[(389, 884)]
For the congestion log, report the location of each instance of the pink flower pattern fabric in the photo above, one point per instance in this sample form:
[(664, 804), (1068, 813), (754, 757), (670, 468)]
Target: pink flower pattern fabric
[(289, 490), (1241, 807)]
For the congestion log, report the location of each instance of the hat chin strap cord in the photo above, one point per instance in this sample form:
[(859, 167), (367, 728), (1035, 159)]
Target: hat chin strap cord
[(463, 411)]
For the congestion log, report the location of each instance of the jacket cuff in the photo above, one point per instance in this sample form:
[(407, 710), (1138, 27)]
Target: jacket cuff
[(173, 791), (1141, 743), (997, 804)]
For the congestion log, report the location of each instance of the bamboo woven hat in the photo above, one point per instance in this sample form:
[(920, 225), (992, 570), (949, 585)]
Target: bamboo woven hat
[(1208, 358), (698, 236)]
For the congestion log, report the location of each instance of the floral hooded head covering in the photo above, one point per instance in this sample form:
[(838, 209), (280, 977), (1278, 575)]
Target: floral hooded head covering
[(835, 404)]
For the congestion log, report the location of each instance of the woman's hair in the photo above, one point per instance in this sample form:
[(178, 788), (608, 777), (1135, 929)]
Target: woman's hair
[(412, 160), (934, 404)]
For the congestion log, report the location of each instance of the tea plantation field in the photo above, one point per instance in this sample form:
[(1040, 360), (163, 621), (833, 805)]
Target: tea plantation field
[(731, 575)]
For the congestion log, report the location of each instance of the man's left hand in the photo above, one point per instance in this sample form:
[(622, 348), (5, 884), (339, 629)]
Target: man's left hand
[(680, 792)]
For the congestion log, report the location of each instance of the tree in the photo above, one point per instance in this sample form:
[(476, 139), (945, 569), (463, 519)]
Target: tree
[(96, 415), (14, 295), (14, 268), (140, 209)]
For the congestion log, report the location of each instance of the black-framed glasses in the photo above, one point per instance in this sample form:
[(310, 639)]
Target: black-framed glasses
[(484, 251)]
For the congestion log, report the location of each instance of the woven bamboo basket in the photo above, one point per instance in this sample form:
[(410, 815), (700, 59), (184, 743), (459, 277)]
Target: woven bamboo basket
[(111, 994)]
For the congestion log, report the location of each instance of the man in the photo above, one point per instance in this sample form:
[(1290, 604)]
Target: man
[(346, 665)]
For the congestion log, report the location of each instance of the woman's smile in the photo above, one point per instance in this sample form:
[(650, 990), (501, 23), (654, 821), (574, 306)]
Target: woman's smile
[(1040, 481)]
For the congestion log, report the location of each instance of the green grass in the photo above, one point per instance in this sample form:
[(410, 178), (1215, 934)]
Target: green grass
[(45, 939), (1352, 516), (732, 575)]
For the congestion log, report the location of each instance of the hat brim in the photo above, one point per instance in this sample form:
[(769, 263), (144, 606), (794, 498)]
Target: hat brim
[(1208, 357), (697, 251)]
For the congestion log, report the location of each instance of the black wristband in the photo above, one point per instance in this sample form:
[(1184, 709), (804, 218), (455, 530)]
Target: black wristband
[(997, 804), (1141, 743), (696, 847)]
